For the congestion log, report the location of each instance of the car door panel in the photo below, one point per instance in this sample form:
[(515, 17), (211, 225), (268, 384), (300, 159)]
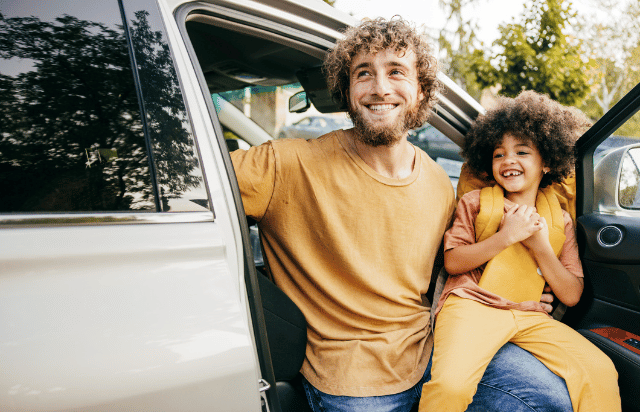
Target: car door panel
[(612, 273), (84, 326)]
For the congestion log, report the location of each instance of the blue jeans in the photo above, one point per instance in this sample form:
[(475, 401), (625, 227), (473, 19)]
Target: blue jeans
[(514, 381)]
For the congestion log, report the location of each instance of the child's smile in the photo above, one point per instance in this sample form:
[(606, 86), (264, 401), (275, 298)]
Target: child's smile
[(518, 168)]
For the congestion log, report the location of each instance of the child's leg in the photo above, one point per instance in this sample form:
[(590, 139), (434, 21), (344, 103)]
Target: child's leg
[(590, 375), (467, 335)]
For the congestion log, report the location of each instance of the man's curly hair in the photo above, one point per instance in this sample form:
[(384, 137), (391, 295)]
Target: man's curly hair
[(373, 36), (532, 117)]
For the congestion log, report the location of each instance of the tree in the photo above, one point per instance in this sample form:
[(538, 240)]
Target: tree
[(458, 46), (536, 55), (615, 47)]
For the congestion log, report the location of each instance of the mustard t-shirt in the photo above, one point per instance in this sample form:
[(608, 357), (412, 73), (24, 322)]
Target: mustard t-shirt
[(354, 250)]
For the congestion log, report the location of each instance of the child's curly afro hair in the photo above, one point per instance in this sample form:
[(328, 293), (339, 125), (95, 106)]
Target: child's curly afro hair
[(551, 127)]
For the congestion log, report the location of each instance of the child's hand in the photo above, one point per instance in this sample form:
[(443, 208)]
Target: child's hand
[(539, 239), (519, 223)]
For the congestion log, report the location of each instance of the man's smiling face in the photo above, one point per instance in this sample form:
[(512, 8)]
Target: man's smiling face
[(384, 95)]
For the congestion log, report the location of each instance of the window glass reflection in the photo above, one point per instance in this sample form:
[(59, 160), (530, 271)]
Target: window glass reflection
[(73, 138), (178, 173)]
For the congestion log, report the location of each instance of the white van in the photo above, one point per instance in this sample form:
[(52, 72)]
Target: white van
[(127, 275)]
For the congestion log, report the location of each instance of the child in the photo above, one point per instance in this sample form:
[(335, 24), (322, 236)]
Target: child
[(505, 243)]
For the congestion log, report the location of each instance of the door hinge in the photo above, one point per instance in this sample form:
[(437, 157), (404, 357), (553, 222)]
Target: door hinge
[(264, 386)]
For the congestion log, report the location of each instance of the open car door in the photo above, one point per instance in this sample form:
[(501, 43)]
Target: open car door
[(608, 226)]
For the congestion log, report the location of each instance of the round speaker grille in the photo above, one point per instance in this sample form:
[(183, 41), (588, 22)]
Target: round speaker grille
[(609, 236)]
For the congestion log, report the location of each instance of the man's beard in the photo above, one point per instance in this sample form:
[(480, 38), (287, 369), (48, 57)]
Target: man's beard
[(382, 135)]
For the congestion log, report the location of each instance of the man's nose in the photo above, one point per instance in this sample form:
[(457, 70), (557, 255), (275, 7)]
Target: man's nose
[(381, 86)]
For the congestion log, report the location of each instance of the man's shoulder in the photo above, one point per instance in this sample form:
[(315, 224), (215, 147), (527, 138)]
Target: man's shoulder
[(293, 143), (436, 170), (293, 147)]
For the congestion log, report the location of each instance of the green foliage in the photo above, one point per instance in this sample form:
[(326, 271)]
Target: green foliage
[(459, 45), (614, 47), (535, 55)]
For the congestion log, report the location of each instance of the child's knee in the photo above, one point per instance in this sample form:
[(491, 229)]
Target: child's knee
[(453, 386), (606, 368), (601, 367)]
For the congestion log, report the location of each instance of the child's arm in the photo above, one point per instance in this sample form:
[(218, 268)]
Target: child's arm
[(518, 224), (566, 286)]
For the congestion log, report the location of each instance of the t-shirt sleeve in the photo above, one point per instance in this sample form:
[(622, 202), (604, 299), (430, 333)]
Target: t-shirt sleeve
[(255, 170), (462, 231), (569, 256)]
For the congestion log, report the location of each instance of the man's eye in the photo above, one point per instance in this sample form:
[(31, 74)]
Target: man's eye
[(362, 73)]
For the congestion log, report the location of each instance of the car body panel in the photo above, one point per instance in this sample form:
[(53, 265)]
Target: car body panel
[(146, 312)]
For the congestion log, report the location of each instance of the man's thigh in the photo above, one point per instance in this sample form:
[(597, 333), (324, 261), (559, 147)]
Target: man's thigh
[(516, 381), (400, 402)]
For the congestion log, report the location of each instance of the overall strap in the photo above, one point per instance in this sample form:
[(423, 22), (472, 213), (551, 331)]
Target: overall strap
[(491, 211), (548, 206), (513, 272)]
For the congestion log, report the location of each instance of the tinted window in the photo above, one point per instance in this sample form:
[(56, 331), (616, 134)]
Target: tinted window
[(73, 137)]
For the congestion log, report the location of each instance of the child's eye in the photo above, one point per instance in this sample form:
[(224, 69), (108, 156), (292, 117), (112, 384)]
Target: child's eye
[(497, 155), (522, 153)]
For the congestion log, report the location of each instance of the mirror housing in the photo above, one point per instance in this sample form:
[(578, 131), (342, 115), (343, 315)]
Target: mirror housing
[(616, 181), (299, 102)]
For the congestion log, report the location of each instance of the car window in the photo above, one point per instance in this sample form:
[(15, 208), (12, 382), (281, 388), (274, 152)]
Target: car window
[(73, 135), (440, 148), (628, 133)]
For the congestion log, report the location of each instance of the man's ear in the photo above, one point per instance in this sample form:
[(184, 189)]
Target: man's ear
[(420, 94)]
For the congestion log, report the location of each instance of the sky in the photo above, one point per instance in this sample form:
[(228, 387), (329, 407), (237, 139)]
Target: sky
[(489, 14)]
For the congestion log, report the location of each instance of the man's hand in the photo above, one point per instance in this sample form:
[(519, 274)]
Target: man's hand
[(547, 299)]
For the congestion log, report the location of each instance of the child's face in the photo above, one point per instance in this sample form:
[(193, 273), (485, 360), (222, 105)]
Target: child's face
[(517, 165)]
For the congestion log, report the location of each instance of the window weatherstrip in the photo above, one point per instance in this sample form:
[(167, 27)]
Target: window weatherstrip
[(101, 219)]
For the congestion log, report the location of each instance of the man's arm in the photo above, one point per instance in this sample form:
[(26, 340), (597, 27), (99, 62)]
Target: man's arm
[(256, 171)]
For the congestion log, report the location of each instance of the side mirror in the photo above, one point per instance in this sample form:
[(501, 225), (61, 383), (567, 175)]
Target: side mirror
[(628, 194), (299, 102), (617, 179)]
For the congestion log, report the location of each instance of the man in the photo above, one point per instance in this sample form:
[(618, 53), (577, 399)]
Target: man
[(351, 223)]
